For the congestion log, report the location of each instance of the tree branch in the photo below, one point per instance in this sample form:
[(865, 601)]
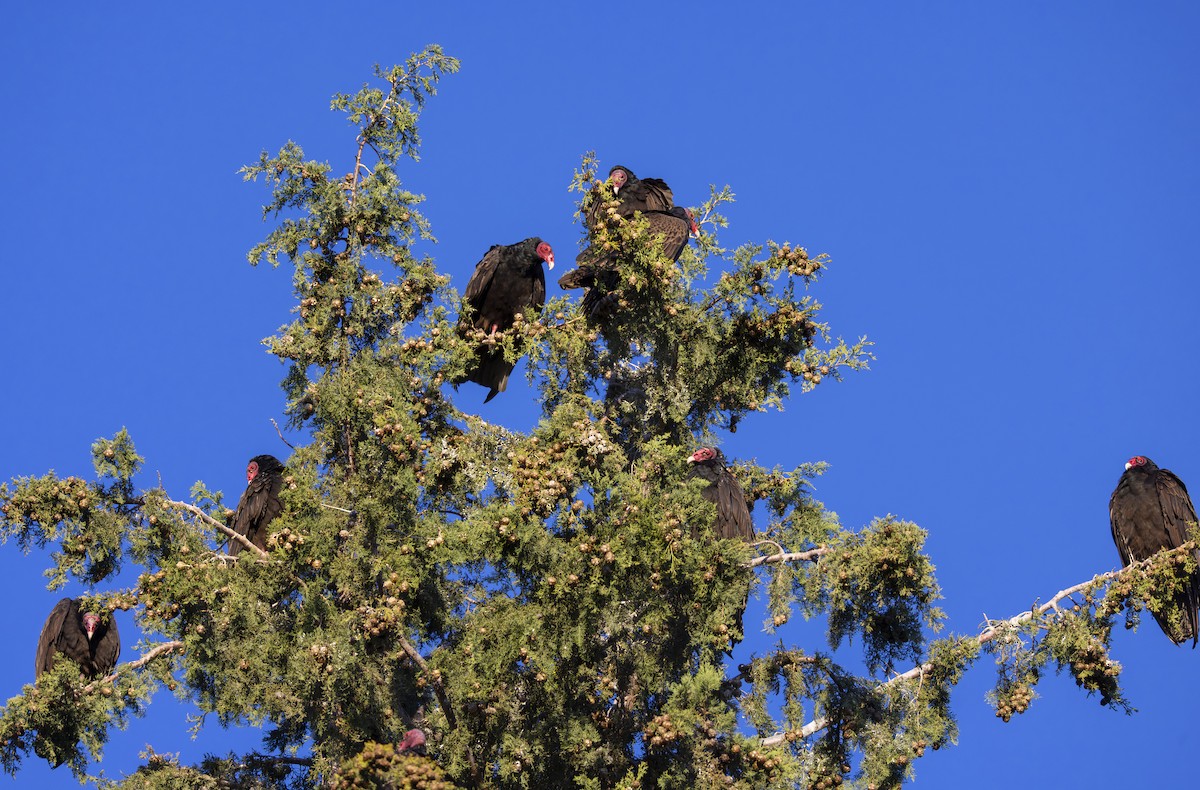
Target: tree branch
[(280, 432), (165, 647), (440, 692), (783, 556), (993, 629), (212, 522)]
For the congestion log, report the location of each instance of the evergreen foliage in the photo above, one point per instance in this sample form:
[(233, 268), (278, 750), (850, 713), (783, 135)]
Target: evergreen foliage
[(552, 607)]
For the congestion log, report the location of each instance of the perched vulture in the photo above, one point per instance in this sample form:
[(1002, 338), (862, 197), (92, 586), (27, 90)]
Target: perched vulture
[(82, 637), (508, 280), (635, 194), (1150, 511), (733, 515), (671, 227), (259, 504), (413, 743)]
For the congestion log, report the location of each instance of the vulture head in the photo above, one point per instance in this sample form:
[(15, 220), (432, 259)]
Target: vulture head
[(1141, 460), (709, 463), (262, 464), (90, 623), (619, 176), (413, 743), (546, 253), (693, 228)]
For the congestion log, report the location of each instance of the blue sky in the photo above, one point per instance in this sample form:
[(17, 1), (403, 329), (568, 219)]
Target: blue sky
[(1009, 196)]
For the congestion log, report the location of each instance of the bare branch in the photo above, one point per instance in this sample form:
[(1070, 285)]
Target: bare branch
[(783, 556), (165, 647), (280, 432), (439, 691), (217, 525)]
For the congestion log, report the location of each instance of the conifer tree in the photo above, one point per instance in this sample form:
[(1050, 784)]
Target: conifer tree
[(551, 608)]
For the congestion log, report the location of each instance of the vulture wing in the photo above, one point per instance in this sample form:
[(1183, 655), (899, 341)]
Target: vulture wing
[(65, 611), (733, 516), (674, 231), (108, 646), (478, 286), (656, 195), (1177, 506), (1178, 514)]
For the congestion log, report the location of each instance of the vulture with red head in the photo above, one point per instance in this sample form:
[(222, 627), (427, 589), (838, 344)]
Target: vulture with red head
[(82, 637), (1150, 510), (672, 225), (634, 194), (506, 282), (733, 514), (259, 504)]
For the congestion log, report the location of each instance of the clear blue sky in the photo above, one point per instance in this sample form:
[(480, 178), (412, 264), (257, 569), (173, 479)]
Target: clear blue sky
[(1009, 193)]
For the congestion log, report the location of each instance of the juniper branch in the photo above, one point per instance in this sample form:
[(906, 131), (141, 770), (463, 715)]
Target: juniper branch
[(995, 627)]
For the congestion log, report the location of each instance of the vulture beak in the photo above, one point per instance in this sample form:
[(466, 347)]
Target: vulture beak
[(550, 260), (1128, 466)]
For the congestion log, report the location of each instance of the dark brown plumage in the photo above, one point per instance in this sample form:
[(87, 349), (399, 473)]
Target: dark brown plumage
[(66, 633), (506, 282), (260, 502), (733, 514), (1150, 510), (670, 225)]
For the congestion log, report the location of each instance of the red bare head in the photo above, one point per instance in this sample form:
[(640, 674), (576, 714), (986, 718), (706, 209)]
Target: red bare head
[(693, 228), (546, 254), (90, 623), (702, 455), (414, 741), (619, 177), (1137, 460), (251, 471)]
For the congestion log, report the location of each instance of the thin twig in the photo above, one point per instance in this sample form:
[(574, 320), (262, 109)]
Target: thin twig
[(278, 431)]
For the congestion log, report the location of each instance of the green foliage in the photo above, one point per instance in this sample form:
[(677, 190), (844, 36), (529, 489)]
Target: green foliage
[(551, 608)]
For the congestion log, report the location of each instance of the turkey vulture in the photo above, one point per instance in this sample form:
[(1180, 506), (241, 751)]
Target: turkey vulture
[(82, 637), (1150, 510), (259, 504), (733, 515), (508, 280), (413, 743), (635, 194), (671, 228)]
